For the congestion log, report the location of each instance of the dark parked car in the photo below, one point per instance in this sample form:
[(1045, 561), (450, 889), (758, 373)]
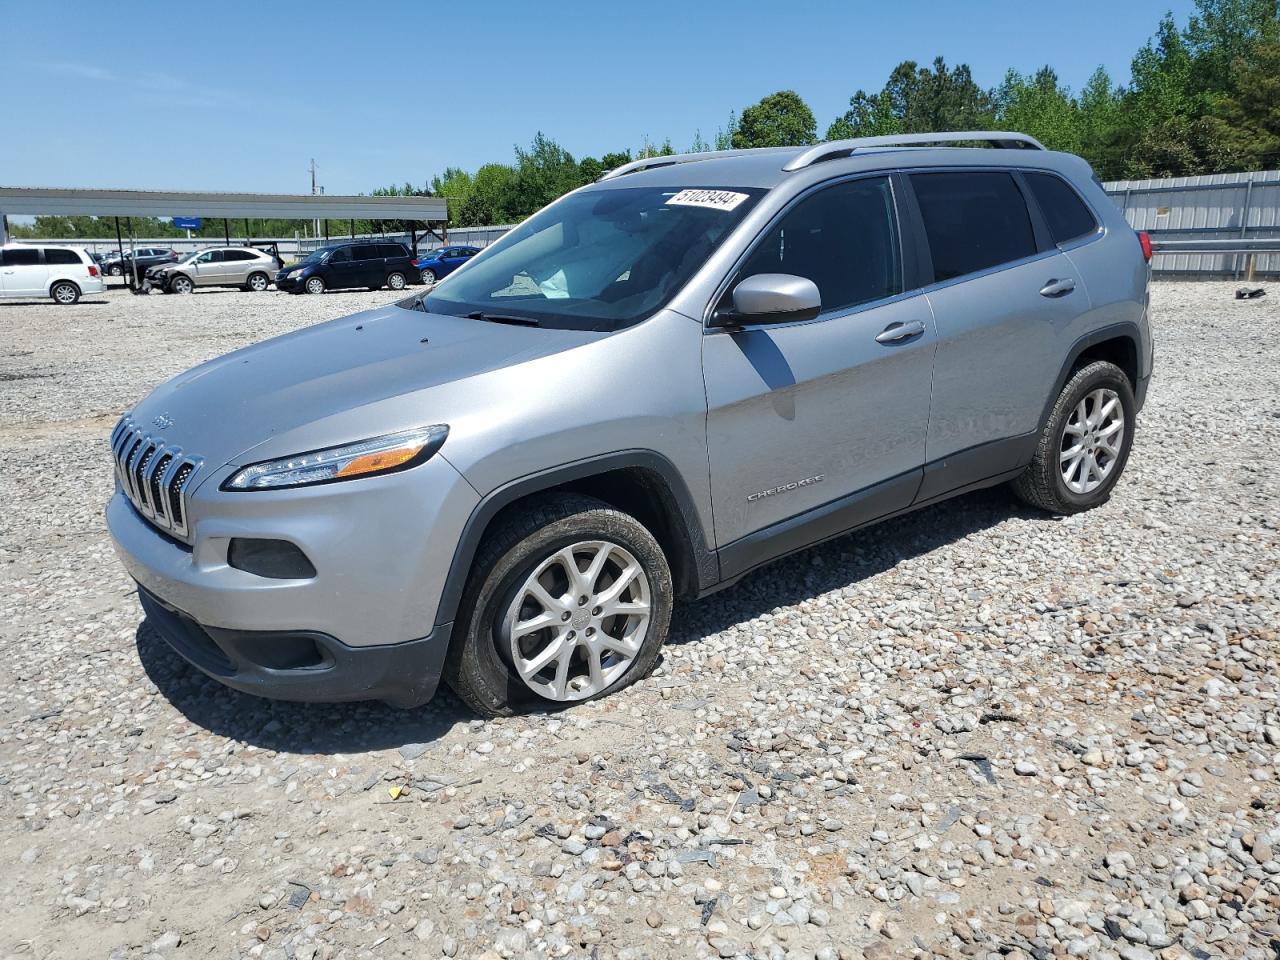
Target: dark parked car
[(346, 265), (115, 266), (438, 264)]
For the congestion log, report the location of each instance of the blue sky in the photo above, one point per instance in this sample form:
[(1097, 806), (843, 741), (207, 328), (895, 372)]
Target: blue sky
[(174, 96)]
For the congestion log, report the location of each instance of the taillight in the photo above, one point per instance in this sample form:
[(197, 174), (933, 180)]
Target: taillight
[(1144, 238), (93, 271)]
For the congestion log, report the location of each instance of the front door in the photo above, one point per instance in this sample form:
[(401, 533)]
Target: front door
[(340, 270), (817, 426)]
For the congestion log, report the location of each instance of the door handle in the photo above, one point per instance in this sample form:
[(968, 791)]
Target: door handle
[(895, 332), (1058, 288)]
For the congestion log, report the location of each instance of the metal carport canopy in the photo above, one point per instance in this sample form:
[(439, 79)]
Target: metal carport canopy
[(157, 203)]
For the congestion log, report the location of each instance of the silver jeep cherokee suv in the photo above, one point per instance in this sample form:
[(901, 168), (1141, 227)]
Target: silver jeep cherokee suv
[(653, 386)]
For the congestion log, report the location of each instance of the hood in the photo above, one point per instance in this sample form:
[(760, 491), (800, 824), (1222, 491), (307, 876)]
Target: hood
[(345, 380)]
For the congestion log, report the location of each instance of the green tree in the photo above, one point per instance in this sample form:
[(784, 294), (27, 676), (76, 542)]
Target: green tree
[(781, 119), (490, 200), (867, 116), (724, 136), (1038, 105)]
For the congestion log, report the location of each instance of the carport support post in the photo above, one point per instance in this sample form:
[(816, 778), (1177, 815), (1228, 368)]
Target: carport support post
[(226, 232), (413, 237), (120, 246), (353, 229), (326, 232)]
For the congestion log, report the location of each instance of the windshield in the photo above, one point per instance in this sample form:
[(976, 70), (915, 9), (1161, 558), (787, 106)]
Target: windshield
[(597, 260), (318, 256), (191, 256)]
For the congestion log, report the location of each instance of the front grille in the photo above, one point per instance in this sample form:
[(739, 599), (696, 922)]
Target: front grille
[(154, 475)]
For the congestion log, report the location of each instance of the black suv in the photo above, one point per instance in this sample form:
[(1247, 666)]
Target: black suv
[(346, 265)]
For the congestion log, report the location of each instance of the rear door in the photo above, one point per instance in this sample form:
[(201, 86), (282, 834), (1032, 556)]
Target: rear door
[(813, 427), (237, 266), (23, 272), (1001, 297), (370, 264)]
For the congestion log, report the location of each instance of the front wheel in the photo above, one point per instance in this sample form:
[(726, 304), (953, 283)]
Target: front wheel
[(115, 270), (569, 600), (428, 277), (1084, 445), (315, 285), (181, 284), (395, 281)]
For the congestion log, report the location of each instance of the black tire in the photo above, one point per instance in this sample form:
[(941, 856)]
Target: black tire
[(180, 284), (1042, 484), (115, 270), (396, 280), (65, 292), (314, 285), (257, 283), (428, 277), (477, 668)]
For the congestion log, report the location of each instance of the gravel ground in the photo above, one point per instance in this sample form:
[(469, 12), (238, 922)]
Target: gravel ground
[(974, 731)]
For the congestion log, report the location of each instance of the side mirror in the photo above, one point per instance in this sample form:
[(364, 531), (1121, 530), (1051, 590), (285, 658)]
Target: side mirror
[(771, 298)]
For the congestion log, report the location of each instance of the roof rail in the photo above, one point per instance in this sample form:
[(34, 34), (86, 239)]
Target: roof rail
[(650, 163), (835, 149)]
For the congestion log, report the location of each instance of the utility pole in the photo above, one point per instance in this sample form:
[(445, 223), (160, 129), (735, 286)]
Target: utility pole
[(316, 224)]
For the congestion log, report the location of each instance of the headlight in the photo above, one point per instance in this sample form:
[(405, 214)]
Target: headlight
[(385, 454)]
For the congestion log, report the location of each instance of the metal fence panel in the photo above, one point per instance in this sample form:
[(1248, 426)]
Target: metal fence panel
[(1219, 206)]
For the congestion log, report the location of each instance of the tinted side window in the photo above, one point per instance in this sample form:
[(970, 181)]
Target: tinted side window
[(240, 255), (392, 250), (1067, 215), (844, 238), (366, 251), (61, 256), (974, 220), (341, 255), (21, 257)]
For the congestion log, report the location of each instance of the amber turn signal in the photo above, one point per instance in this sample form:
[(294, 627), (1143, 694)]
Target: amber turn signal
[(375, 462)]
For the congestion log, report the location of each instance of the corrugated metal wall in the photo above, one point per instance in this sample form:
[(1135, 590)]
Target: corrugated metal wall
[(1220, 206)]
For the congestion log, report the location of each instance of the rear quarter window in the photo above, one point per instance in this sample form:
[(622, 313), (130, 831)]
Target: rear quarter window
[(974, 220), (61, 256), (1068, 216)]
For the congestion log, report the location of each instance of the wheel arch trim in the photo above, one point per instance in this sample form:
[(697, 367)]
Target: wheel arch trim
[(706, 569), (1125, 330)]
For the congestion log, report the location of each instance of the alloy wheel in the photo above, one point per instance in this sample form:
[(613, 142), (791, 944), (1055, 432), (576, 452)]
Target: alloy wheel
[(1092, 440), (578, 621)]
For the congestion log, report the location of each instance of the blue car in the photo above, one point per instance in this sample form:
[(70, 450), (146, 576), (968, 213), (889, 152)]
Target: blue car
[(440, 263)]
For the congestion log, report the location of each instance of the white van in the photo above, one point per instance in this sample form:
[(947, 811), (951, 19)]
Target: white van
[(63, 273)]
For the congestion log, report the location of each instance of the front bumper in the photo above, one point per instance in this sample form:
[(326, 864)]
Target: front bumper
[(303, 665), (289, 283)]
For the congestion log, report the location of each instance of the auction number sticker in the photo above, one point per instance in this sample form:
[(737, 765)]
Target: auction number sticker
[(715, 199)]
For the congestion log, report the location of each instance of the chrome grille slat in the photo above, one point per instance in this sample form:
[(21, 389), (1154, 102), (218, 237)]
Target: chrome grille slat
[(153, 475)]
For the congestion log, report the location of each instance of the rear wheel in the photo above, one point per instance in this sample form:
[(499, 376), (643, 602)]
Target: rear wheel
[(569, 600), (1084, 445), (257, 282), (396, 280), (315, 285), (64, 292), (181, 284)]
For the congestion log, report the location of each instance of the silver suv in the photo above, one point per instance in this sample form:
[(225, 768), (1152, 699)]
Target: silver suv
[(243, 267), (650, 388)]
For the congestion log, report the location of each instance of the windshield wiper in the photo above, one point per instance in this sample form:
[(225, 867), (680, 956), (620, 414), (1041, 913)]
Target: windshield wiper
[(503, 318)]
